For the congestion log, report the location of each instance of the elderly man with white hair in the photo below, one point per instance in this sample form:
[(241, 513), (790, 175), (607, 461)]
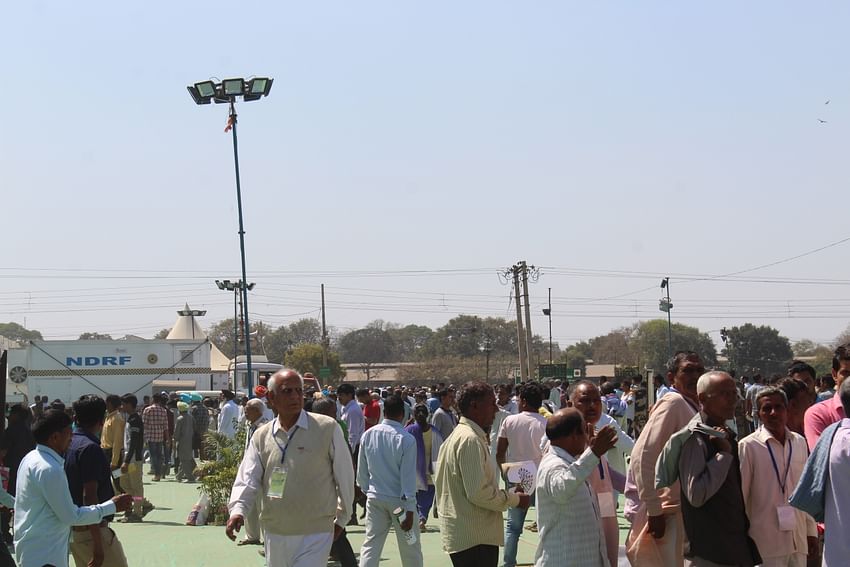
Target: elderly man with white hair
[(254, 418), (299, 465), (704, 456)]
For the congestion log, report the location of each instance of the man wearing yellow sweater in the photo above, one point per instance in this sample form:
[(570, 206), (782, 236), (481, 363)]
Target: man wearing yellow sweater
[(300, 466)]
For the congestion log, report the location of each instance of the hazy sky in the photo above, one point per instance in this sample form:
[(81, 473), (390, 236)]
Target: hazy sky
[(411, 150)]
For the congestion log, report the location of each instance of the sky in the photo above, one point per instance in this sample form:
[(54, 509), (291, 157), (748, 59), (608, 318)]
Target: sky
[(410, 152)]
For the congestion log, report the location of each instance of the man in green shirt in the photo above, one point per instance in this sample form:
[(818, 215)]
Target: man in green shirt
[(468, 494)]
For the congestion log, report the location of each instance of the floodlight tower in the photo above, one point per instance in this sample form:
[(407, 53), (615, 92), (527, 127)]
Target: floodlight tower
[(226, 92)]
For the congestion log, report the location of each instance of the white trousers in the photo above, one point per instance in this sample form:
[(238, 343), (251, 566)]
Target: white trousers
[(379, 520), (310, 550)]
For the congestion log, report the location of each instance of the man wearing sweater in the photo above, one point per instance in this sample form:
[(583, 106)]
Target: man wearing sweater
[(298, 462)]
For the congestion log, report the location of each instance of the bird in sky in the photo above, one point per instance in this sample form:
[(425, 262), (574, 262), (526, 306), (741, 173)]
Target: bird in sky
[(821, 121), (827, 102)]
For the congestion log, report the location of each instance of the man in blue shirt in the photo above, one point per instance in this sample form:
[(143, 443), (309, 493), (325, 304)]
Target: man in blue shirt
[(386, 472), (90, 481), (44, 510)]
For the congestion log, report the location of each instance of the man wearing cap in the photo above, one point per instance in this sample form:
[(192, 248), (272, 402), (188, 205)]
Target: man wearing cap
[(228, 419), (184, 431), (300, 462)]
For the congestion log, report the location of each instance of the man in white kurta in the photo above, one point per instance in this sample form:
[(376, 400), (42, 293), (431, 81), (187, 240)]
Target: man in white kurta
[(772, 460), (567, 511)]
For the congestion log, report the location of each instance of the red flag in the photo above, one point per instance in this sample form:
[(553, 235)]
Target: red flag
[(229, 126)]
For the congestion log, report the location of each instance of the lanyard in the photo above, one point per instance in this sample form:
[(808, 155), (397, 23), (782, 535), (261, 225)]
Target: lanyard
[(783, 482), (601, 471), (283, 448)]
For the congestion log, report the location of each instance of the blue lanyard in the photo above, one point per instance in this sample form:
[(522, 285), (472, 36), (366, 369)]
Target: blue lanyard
[(783, 482), (283, 448)]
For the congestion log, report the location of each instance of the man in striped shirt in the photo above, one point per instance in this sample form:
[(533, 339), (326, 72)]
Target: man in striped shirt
[(470, 501), (155, 420)]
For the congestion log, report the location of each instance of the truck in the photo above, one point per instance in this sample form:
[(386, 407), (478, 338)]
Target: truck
[(68, 369)]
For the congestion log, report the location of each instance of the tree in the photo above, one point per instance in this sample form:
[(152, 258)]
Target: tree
[(818, 355), (163, 333), (94, 337), (305, 331), (221, 335), (762, 349), (614, 348), (652, 344), (15, 332), (805, 347), (408, 341), (575, 356), (307, 357), (366, 347)]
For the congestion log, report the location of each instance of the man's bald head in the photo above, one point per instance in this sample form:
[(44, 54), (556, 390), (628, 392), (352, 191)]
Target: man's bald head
[(712, 380), (564, 423), (284, 375)]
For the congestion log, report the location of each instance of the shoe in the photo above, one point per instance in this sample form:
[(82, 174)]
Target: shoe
[(249, 542), (130, 519), (422, 527), (532, 527), (157, 478)]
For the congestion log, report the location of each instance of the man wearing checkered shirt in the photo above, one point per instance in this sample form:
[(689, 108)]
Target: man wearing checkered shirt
[(155, 420)]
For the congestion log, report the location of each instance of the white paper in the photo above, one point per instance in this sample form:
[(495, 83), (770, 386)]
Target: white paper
[(606, 505), (524, 474), (787, 518)]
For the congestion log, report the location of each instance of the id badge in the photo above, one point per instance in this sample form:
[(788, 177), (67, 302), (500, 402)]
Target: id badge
[(277, 482), (606, 505), (787, 518)]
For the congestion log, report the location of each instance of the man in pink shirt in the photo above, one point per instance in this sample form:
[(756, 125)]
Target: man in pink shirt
[(656, 514), (822, 415)]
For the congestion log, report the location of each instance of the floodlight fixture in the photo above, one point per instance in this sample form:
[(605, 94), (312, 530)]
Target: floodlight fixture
[(257, 88), (233, 87)]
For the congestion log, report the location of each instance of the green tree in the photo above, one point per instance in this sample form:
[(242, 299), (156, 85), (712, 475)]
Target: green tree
[(162, 333), (408, 341), (761, 349), (652, 344), (15, 332), (307, 357), (575, 356), (366, 347), (614, 348), (94, 337)]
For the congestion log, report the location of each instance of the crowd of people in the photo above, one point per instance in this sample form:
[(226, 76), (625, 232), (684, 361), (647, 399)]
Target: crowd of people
[(713, 469), (71, 468)]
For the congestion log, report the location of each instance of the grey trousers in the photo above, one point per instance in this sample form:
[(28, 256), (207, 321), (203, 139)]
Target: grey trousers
[(379, 520)]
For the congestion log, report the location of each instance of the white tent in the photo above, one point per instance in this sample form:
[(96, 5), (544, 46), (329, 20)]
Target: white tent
[(187, 327)]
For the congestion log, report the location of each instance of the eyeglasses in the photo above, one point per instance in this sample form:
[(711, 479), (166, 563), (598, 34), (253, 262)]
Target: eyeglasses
[(291, 391)]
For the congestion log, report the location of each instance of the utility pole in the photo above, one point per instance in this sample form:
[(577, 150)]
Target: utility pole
[(549, 314), (324, 332), (665, 305), (528, 342), (523, 368)]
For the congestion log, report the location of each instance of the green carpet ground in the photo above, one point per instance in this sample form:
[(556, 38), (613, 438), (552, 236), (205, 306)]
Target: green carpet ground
[(163, 539)]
